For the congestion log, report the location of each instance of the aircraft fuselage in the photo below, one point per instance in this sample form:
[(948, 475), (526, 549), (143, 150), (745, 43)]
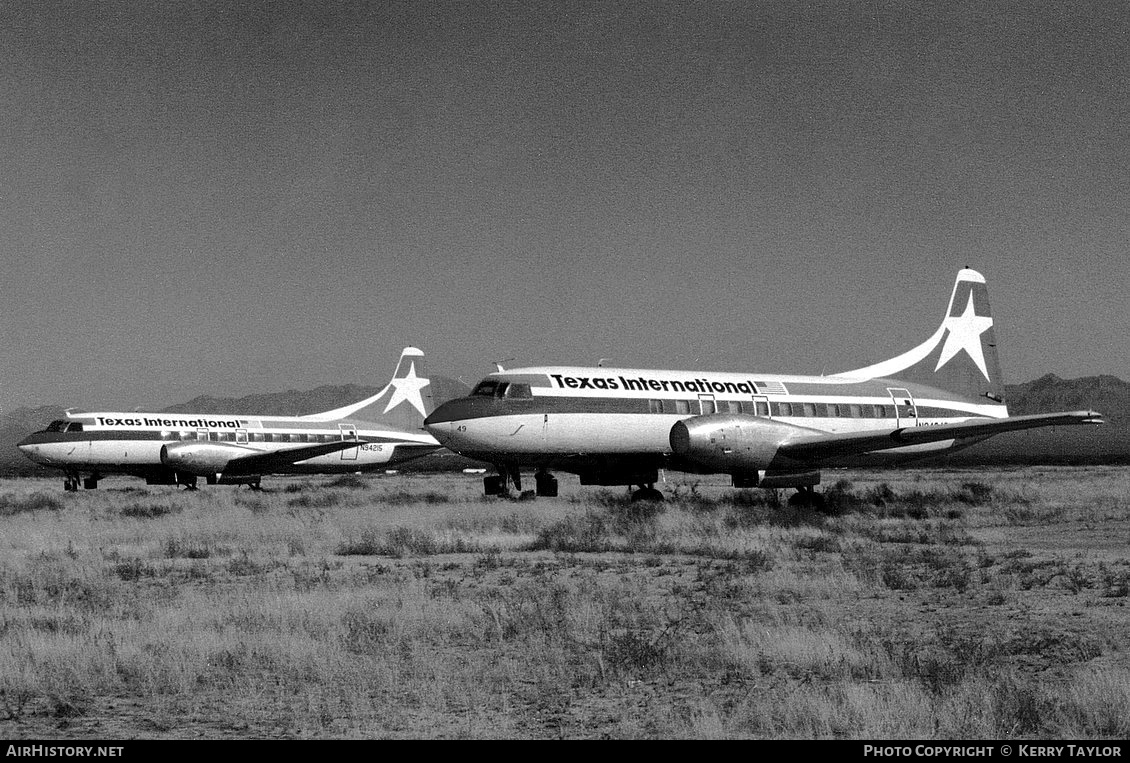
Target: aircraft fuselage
[(574, 417), (148, 444)]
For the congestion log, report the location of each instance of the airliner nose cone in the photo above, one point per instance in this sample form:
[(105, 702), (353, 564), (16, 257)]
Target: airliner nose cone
[(445, 414), (31, 451)]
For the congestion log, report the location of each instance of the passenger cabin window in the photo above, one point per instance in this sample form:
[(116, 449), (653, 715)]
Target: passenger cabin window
[(682, 406), (733, 406)]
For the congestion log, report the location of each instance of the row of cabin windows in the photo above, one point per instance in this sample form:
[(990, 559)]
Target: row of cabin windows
[(251, 437), (688, 407), (842, 410), (762, 408), (74, 426), (493, 388)]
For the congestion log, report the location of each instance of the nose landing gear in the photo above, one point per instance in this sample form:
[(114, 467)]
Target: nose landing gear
[(71, 481), (545, 484)]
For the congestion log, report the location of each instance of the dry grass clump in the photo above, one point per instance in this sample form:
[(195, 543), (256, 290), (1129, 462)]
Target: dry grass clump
[(18, 504)]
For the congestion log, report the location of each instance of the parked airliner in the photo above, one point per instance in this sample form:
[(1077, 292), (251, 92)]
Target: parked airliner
[(177, 448), (620, 426)]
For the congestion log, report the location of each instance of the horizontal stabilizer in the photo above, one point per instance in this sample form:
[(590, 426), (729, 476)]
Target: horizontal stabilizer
[(820, 447)]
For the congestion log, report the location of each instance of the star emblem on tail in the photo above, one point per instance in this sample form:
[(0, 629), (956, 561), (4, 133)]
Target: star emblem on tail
[(965, 332), (407, 388)]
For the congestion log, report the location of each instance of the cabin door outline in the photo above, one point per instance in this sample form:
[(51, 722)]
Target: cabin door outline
[(906, 409), (348, 432)]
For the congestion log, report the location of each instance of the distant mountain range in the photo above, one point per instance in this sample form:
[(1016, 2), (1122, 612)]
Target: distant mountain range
[(1106, 394), (295, 403)]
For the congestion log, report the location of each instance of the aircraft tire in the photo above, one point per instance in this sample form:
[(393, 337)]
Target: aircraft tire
[(647, 494), (546, 485), (494, 485), (807, 499)]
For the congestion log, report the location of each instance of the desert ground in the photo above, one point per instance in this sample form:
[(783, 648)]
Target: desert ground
[(926, 604)]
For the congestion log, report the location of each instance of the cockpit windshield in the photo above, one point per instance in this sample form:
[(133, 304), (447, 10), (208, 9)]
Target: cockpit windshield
[(485, 388), (495, 388), (61, 425)]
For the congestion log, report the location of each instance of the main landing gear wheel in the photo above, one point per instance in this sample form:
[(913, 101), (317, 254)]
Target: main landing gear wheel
[(545, 484), (806, 497), (647, 493), (494, 485)]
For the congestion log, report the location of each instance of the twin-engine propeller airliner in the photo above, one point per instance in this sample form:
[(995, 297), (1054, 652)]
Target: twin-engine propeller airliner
[(620, 426), (178, 448)]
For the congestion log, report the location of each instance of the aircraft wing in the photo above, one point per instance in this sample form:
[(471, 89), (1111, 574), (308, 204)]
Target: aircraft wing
[(265, 463), (818, 447)]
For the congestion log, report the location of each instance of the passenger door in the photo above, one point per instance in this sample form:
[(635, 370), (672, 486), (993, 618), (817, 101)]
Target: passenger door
[(348, 432), (906, 410)]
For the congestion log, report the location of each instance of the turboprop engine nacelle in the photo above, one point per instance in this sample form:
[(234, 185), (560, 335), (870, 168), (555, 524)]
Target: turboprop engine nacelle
[(731, 443), (205, 459)]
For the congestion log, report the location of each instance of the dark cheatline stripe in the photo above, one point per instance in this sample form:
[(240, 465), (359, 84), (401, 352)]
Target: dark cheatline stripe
[(481, 407)]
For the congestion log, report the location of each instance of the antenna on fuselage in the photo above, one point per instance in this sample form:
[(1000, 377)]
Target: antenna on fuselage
[(498, 363)]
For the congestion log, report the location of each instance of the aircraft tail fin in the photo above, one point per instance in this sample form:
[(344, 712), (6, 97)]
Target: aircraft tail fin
[(960, 357), (402, 405)]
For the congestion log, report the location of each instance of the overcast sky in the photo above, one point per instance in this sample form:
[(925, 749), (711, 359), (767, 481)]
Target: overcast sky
[(236, 197)]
